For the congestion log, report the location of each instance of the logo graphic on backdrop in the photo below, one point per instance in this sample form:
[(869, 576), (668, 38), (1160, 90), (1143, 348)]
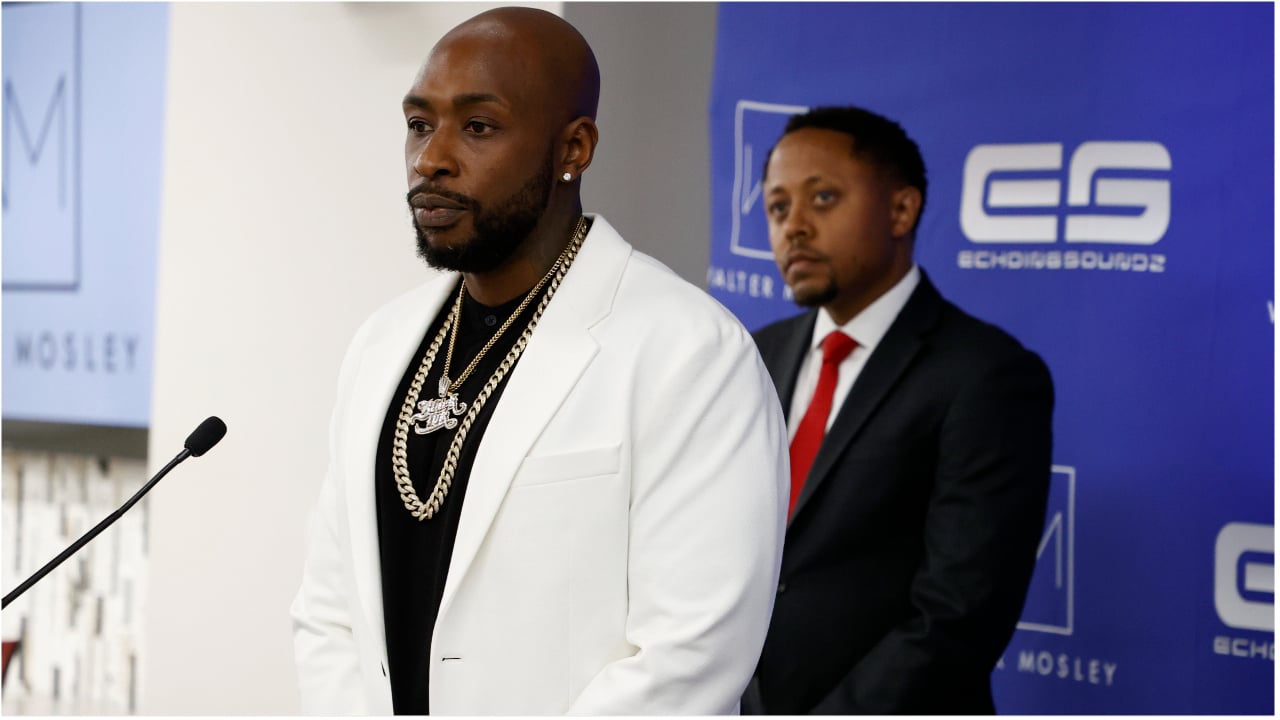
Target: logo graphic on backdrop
[(1244, 564), (1117, 193), (1050, 606), (756, 127), (41, 196), (79, 297)]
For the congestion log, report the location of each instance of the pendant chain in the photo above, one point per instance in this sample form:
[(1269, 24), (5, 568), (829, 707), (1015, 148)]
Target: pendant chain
[(446, 386), (440, 409)]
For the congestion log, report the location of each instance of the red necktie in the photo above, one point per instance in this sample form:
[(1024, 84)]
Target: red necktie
[(804, 446)]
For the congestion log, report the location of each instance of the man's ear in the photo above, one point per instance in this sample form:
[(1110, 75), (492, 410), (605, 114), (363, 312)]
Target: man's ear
[(578, 142), (905, 210)]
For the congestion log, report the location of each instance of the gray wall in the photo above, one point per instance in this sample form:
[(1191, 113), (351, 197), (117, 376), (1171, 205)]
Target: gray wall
[(651, 175)]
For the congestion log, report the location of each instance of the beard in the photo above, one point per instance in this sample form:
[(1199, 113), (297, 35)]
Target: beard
[(813, 289), (814, 294), (496, 233)]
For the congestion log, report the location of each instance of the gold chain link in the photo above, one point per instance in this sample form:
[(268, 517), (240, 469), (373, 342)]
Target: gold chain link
[(399, 446)]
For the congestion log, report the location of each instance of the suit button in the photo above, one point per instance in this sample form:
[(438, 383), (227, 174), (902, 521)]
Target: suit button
[(782, 587)]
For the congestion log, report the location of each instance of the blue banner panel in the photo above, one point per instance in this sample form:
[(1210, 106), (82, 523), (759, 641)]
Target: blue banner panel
[(1101, 184), (83, 110)]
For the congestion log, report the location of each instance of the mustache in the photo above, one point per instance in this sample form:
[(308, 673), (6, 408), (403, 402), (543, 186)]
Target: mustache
[(428, 188), (802, 252)]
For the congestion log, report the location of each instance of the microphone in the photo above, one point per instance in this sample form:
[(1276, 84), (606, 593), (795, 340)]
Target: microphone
[(199, 442), (205, 436)]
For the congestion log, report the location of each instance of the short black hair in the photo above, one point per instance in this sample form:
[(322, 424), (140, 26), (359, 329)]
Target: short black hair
[(875, 137)]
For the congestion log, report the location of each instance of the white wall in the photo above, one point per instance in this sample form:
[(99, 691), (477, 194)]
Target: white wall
[(284, 225)]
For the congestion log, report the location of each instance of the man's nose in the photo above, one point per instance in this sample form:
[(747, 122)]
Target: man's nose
[(436, 157), (796, 227)]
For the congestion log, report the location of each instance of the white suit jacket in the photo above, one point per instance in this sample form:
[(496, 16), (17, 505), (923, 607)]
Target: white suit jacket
[(621, 534)]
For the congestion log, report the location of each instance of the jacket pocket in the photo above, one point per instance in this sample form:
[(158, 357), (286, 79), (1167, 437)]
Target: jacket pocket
[(561, 467)]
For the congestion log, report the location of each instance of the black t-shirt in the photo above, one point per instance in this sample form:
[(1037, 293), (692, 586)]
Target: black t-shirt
[(415, 553)]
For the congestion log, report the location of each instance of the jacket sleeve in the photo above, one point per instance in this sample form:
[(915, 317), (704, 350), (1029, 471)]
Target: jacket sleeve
[(329, 680), (982, 528), (326, 654), (706, 524)]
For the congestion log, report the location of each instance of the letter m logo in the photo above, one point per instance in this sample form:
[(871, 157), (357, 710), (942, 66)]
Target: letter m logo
[(41, 153), (1050, 606)]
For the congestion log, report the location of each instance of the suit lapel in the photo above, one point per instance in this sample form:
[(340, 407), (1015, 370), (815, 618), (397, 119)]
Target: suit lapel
[(886, 365), (788, 356), (382, 365), (559, 351)]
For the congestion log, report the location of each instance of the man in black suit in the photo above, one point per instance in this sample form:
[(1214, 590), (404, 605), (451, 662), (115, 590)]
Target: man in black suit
[(920, 444)]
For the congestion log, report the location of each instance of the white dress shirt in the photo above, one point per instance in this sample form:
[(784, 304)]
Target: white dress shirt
[(867, 328)]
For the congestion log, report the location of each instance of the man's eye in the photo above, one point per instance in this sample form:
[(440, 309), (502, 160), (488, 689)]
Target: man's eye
[(776, 209), (419, 126), (476, 127), (824, 197)]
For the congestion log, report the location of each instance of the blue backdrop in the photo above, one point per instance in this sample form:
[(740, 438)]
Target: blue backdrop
[(1101, 185), (83, 120)]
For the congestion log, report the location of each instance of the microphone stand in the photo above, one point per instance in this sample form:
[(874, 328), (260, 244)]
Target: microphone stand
[(106, 522)]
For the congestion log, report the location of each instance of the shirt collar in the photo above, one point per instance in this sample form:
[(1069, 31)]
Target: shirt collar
[(868, 327)]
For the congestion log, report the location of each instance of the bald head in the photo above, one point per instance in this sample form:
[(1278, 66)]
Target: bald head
[(538, 50), (500, 126)]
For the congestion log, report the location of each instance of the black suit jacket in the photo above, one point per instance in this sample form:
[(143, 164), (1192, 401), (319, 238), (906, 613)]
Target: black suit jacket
[(907, 560)]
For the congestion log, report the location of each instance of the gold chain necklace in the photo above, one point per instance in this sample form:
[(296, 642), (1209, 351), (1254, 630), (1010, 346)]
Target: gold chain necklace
[(434, 414), (447, 388)]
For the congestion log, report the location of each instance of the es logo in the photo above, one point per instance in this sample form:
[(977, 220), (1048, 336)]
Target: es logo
[(1014, 193), (1244, 576)]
